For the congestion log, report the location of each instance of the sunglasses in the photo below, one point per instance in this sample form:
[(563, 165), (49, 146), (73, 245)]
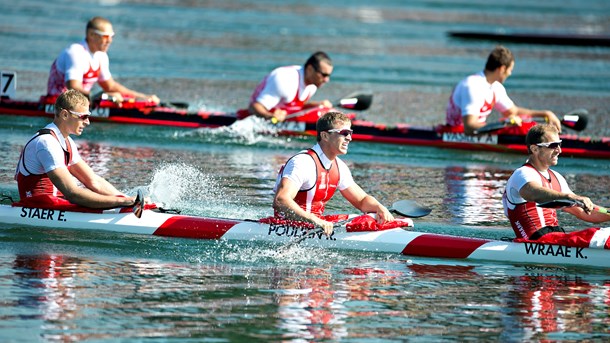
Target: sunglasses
[(317, 69), (342, 132), (550, 145), (79, 115), (104, 34)]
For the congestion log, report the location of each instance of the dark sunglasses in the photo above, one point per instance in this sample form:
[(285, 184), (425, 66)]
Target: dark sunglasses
[(79, 115), (550, 145), (317, 69), (344, 132)]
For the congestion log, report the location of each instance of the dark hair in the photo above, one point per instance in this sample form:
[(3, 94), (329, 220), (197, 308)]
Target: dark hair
[(500, 56), (329, 120), (315, 59), (69, 99), (536, 134)]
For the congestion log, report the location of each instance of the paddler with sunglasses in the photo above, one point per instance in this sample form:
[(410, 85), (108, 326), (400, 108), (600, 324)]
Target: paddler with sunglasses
[(535, 183), (309, 179), (288, 89), (50, 163), (473, 99), (83, 64)]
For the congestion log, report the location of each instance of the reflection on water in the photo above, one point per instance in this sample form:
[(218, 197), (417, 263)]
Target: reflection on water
[(63, 297), (477, 189)]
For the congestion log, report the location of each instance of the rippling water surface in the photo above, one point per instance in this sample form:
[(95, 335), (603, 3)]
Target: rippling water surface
[(67, 285)]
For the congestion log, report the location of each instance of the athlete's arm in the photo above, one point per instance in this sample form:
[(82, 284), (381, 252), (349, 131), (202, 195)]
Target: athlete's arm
[(284, 203), (471, 124), (324, 103), (535, 192), (593, 217), (548, 116), (63, 180), (366, 203), (260, 110), (119, 91), (77, 85), (94, 182)]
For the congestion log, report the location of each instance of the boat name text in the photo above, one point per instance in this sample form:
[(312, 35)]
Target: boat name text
[(554, 250), (45, 214), (297, 232), (462, 138)]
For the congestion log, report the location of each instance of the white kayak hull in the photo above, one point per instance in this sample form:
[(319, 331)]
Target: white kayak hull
[(398, 241)]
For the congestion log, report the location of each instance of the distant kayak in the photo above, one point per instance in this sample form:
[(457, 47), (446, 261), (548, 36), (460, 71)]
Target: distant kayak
[(537, 38)]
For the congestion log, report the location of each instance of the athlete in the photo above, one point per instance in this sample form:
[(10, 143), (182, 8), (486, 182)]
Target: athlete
[(288, 89), (309, 179), (50, 162), (473, 99), (83, 64), (535, 182)]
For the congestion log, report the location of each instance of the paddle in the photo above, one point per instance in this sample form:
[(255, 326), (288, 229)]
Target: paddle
[(405, 208), (138, 206), (559, 204), (410, 209), (354, 101), (575, 120)]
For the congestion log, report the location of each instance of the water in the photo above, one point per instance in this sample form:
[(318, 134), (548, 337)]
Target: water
[(62, 285)]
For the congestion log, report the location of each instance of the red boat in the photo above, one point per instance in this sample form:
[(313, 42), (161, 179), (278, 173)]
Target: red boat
[(303, 123)]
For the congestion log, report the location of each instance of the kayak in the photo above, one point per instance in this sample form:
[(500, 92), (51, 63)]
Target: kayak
[(179, 115), (573, 39), (365, 131), (403, 241)]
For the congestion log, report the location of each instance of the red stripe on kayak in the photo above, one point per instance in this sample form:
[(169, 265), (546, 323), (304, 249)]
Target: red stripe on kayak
[(192, 227), (430, 245)]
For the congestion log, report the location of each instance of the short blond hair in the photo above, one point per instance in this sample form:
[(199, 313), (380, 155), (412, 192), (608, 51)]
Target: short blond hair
[(69, 99)]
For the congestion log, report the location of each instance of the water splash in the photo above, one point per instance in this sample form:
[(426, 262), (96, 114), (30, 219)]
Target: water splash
[(179, 185), (247, 131)]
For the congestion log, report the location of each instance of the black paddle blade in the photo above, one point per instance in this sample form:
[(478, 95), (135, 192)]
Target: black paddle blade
[(410, 209), (357, 101), (176, 105), (491, 127), (576, 120), (557, 204), (138, 207)]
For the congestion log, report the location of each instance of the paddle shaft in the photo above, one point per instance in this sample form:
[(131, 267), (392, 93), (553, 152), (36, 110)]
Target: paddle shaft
[(358, 101), (575, 120), (558, 204)]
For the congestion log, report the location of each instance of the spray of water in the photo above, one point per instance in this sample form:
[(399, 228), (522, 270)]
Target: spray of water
[(182, 186), (248, 131)]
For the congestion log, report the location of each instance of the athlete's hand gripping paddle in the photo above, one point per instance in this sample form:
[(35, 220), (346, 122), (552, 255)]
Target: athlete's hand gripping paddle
[(138, 206)]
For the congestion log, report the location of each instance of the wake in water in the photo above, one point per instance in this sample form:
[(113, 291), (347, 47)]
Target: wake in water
[(247, 131)]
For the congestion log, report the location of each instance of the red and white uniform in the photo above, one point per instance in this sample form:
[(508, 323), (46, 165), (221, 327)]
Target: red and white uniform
[(78, 63), (526, 218), (475, 96), (284, 88), (317, 178), (42, 154)]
